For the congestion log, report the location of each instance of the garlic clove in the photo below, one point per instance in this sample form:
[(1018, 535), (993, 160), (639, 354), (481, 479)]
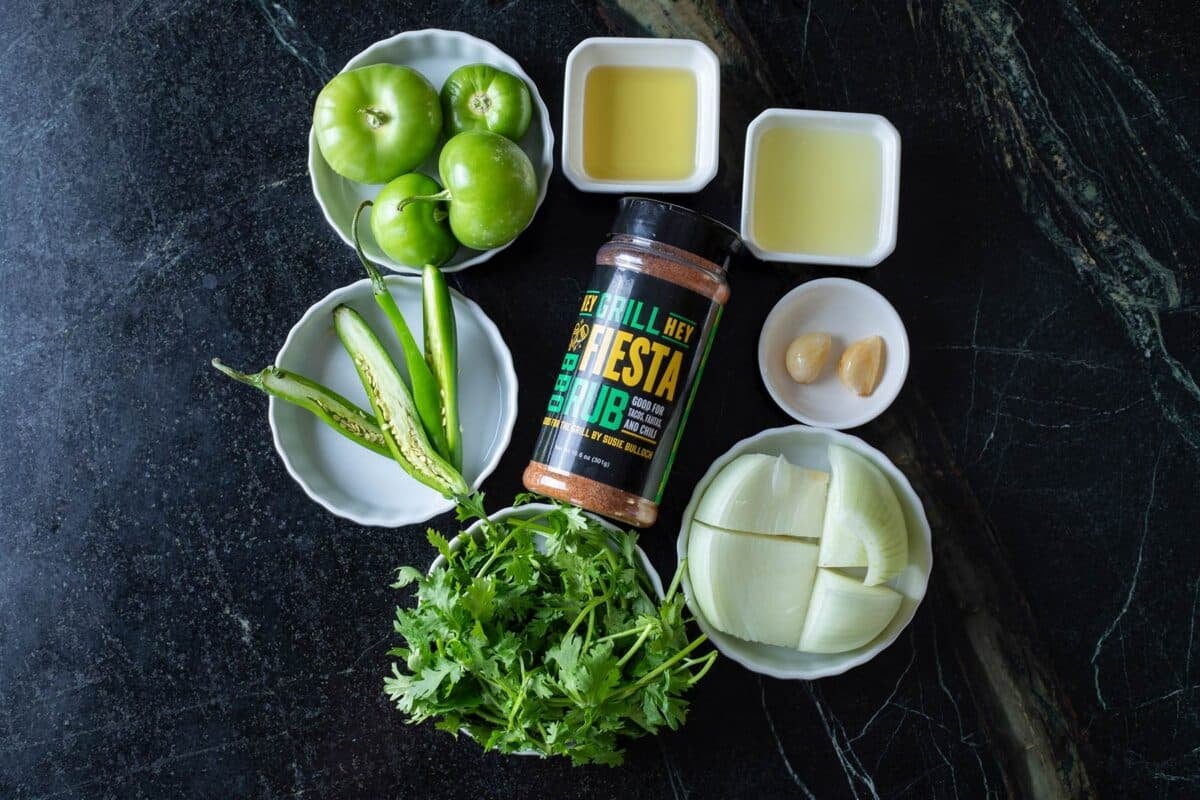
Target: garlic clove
[(861, 365), (806, 356)]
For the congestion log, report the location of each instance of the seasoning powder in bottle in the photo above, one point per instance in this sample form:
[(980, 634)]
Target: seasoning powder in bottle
[(633, 362)]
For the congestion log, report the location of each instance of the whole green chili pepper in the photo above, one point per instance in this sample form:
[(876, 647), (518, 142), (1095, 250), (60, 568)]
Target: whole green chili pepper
[(441, 351)]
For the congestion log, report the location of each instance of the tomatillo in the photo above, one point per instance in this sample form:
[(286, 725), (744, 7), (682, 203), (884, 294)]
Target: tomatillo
[(490, 185), (413, 235), (376, 122), (478, 97)]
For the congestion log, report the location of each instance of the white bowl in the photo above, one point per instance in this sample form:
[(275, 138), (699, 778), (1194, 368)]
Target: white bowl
[(354, 482), (872, 124), (809, 447), (435, 54), (848, 310), (524, 512), (629, 52)]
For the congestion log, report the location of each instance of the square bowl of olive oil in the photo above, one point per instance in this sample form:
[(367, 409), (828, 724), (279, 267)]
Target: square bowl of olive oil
[(821, 187), (640, 115)]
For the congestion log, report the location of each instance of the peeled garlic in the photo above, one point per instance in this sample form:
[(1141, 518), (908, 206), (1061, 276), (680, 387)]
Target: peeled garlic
[(861, 364), (806, 356)]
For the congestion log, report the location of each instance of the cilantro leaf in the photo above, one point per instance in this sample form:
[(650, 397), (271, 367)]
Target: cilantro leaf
[(439, 542), (405, 576)]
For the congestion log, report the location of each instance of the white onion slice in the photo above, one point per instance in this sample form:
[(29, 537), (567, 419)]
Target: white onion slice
[(750, 586), (844, 614), (758, 493), (864, 524)]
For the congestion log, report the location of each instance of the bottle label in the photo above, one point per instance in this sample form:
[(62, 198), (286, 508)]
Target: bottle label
[(626, 381)]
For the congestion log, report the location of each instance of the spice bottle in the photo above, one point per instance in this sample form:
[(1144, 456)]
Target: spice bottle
[(633, 362)]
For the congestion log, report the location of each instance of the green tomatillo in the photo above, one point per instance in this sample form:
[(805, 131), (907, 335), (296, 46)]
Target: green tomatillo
[(416, 234), (479, 97), (490, 186), (376, 122)]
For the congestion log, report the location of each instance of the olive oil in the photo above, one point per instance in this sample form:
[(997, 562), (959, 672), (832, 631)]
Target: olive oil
[(639, 123), (817, 191)]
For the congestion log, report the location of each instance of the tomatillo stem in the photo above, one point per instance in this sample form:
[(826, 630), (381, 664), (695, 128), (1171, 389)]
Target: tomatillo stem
[(375, 117), (441, 196), (480, 103)]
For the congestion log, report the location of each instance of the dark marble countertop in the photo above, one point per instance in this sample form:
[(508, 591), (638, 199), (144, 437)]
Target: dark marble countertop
[(178, 620)]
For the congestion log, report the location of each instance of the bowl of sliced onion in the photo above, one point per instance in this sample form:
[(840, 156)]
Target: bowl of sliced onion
[(808, 552)]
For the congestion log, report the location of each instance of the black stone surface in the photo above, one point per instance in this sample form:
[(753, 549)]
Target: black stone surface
[(178, 620)]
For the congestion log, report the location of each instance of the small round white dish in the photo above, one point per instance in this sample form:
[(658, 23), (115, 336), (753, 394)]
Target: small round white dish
[(848, 310), (531, 510), (353, 482), (435, 54), (809, 447)]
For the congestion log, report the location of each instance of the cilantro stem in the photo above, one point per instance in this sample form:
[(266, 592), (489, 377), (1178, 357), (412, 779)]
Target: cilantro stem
[(531, 522), (514, 525), (654, 673), (496, 551), (675, 581), (711, 658), (636, 645), (612, 558), (512, 714), (492, 718), (620, 635), (588, 608), (590, 629)]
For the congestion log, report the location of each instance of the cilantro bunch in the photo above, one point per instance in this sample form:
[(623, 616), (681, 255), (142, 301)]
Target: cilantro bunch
[(543, 634)]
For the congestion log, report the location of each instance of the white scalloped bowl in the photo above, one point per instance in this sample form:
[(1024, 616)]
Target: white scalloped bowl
[(354, 482), (809, 447), (435, 54)]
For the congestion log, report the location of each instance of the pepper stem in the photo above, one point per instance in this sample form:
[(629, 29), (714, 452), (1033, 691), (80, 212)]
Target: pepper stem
[(442, 196), (254, 380), (377, 283)]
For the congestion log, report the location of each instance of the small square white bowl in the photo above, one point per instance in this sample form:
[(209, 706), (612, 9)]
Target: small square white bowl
[(604, 51), (873, 124)]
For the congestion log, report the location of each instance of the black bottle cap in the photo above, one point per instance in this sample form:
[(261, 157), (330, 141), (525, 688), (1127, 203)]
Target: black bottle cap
[(679, 227)]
